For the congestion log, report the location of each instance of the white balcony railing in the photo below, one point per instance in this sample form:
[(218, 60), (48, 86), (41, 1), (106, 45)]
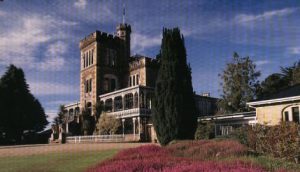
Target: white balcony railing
[(130, 113)]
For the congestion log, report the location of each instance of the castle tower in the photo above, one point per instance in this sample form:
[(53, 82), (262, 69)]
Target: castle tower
[(104, 64), (123, 32)]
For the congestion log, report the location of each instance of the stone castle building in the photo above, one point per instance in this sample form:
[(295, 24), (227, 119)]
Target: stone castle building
[(121, 83)]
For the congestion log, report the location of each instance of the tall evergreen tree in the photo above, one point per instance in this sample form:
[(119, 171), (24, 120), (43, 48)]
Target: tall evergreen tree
[(19, 110), (174, 109), (239, 83)]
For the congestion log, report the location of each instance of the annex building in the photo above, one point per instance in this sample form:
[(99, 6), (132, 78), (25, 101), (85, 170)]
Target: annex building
[(122, 83)]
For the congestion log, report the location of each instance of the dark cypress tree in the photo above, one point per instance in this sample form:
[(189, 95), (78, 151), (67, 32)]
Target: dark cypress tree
[(174, 109), (19, 110)]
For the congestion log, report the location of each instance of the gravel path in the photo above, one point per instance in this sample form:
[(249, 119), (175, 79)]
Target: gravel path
[(68, 148)]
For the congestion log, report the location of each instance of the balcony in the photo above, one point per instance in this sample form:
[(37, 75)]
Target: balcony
[(128, 102)]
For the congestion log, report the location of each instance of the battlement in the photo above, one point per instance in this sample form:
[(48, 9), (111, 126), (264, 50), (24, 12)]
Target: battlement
[(122, 26), (97, 36)]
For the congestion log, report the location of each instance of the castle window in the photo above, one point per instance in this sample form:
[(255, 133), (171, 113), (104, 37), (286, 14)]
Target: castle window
[(133, 80), (90, 85), (86, 86), (83, 58), (137, 79), (129, 101), (105, 84), (130, 81), (92, 56), (108, 105), (136, 100), (86, 60), (118, 103)]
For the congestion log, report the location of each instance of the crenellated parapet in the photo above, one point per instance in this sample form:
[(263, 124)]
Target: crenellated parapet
[(99, 36)]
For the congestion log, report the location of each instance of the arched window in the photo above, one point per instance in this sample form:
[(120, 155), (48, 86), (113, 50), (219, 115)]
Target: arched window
[(118, 103), (129, 101), (108, 105), (136, 100), (89, 108), (110, 83), (71, 112), (137, 79), (77, 111)]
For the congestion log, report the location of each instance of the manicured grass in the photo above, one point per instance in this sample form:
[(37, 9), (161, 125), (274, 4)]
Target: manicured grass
[(52, 162)]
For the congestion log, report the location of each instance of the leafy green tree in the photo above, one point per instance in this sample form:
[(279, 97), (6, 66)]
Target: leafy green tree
[(108, 124), (296, 76), (60, 115), (174, 109), (275, 82), (87, 122), (239, 84), (288, 73), (19, 110), (272, 84)]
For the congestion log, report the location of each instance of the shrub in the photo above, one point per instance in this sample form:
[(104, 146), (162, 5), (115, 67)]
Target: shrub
[(280, 141), (108, 124), (154, 158), (205, 130), (241, 134)]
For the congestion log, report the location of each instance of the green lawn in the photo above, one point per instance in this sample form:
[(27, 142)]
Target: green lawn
[(77, 161)]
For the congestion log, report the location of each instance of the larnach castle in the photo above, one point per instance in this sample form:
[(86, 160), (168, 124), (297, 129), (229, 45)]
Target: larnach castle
[(123, 84)]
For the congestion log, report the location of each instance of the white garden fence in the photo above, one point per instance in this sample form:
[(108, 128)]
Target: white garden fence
[(95, 138)]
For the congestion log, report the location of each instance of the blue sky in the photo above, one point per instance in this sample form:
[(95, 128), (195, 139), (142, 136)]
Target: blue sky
[(42, 37)]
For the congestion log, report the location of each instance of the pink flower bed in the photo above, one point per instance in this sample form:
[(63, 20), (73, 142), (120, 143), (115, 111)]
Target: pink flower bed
[(174, 158), (208, 149)]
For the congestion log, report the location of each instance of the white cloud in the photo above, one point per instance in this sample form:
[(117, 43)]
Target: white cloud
[(246, 18), (262, 62), (20, 42), (294, 50), (54, 60), (81, 4), (140, 42), (49, 88)]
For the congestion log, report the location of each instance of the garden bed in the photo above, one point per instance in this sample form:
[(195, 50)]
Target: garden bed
[(203, 155)]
